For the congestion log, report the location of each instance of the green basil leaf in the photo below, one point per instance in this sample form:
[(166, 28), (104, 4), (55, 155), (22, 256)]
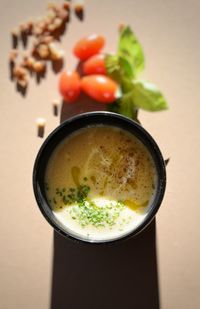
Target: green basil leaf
[(126, 85), (113, 67), (124, 106), (130, 49), (120, 70), (147, 96), (126, 68)]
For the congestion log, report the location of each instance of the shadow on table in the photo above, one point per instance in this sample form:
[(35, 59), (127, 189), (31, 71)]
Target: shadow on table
[(119, 276), (116, 276)]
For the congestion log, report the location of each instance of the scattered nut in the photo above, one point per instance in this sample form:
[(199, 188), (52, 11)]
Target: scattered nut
[(13, 55), (56, 105), (37, 31), (66, 5), (24, 28), (57, 22), (39, 66), (35, 42), (43, 51), (79, 9), (15, 32), (47, 39), (51, 27), (29, 63), (63, 15), (25, 58), (23, 82), (55, 52), (40, 122), (30, 26), (51, 15), (20, 72), (21, 76), (43, 25), (15, 36)]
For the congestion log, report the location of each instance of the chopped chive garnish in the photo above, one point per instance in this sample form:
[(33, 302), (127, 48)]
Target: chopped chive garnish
[(86, 212)]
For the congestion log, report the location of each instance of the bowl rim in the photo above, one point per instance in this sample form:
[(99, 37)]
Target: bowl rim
[(161, 175)]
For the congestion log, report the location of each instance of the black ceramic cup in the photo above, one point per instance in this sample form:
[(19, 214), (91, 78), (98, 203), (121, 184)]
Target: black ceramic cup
[(82, 121)]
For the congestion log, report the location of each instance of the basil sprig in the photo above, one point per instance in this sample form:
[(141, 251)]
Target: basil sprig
[(124, 67)]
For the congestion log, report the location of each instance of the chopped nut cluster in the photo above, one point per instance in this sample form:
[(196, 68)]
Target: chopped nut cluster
[(44, 32)]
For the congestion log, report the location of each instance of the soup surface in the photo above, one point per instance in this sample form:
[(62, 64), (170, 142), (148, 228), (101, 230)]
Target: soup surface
[(100, 182)]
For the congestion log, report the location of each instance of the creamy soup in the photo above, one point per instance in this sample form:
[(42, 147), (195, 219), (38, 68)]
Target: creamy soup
[(100, 182)]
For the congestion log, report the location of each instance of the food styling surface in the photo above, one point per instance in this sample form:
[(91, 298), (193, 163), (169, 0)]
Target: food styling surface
[(34, 264)]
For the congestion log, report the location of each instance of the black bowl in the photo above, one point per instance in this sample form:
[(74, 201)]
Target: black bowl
[(76, 123)]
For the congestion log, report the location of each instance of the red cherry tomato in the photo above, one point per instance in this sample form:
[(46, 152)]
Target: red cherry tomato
[(95, 65), (88, 46), (99, 87), (69, 86)]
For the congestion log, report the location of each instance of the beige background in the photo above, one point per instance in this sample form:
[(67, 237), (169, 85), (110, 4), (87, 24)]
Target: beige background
[(169, 32)]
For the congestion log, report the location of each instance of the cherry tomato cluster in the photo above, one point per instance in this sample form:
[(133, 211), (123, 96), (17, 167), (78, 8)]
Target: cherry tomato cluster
[(94, 81)]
